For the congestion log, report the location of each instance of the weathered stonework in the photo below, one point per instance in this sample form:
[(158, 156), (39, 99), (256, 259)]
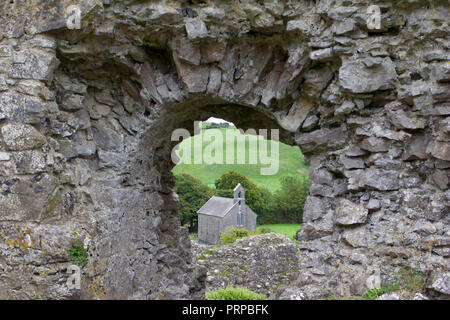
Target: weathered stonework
[(86, 117), (260, 263)]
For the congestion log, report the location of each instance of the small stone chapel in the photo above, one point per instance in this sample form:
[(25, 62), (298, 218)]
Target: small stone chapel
[(219, 213)]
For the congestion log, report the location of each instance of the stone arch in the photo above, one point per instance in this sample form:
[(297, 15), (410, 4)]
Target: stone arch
[(99, 104)]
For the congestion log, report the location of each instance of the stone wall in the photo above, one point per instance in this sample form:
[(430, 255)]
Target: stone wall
[(86, 117), (261, 263)]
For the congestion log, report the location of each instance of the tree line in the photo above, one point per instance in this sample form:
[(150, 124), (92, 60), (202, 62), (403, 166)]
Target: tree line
[(282, 206)]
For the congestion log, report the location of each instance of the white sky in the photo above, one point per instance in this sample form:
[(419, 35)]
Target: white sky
[(217, 120)]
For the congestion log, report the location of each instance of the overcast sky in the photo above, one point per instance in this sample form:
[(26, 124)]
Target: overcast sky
[(217, 120)]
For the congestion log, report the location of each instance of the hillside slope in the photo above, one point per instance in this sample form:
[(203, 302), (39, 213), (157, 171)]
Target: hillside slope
[(291, 162)]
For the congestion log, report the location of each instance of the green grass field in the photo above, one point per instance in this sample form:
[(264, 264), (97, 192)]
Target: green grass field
[(291, 162), (287, 229)]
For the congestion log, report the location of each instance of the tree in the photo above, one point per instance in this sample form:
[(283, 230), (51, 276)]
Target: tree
[(192, 194), (256, 198), (268, 215), (290, 199)]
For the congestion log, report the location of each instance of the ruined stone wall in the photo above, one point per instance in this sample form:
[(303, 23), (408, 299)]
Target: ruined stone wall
[(261, 263), (86, 116)]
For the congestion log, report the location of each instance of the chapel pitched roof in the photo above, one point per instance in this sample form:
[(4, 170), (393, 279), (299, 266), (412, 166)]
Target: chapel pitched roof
[(217, 206)]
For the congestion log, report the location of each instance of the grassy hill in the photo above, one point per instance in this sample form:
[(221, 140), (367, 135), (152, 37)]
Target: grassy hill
[(291, 162)]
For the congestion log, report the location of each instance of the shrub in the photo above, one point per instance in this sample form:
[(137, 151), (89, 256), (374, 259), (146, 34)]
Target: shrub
[(78, 254), (233, 233), (234, 293), (373, 294), (296, 234), (193, 236)]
